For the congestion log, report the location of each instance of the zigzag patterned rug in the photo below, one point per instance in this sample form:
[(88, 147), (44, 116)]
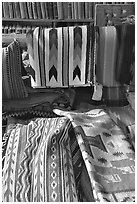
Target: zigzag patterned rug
[(37, 161)]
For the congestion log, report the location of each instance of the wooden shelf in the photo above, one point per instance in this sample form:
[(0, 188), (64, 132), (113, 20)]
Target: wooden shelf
[(42, 22)]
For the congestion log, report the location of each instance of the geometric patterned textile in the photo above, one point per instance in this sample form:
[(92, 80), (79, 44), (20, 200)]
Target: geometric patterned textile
[(115, 56), (124, 117), (109, 158), (61, 56), (12, 83), (37, 161)]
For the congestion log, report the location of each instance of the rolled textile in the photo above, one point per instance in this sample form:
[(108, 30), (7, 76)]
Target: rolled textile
[(12, 83)]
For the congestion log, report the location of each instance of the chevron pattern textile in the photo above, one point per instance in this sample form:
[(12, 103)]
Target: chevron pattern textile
[(37, 161), (115, 56), (77, 54), (61, 57), (109, 157), (12, 83)]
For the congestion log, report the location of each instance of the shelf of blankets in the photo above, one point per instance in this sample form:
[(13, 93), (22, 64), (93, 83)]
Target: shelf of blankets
[(44, 22)]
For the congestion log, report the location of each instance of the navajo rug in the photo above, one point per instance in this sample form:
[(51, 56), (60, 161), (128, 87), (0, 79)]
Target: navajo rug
[(124, 117), (37, 161), (61, 56), (109, 157), (12, 83)]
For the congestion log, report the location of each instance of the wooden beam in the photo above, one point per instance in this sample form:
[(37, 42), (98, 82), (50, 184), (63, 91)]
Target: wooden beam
[(42, 22)]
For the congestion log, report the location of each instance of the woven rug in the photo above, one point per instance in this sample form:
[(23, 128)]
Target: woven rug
[(37, 161), (124, 117), (109, 157), (61, 56)]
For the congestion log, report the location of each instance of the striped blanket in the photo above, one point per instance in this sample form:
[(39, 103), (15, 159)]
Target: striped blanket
[(61, 56)]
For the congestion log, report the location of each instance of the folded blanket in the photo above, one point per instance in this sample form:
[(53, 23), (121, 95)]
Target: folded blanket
[(109, 157), (124, 117), (38, 159)]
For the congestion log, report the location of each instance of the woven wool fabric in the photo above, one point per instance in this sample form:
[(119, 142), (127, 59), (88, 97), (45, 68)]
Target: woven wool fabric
[(116, 55), (124, 117), (61, 56), (12, 83), (108, 156), (37, 164)]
